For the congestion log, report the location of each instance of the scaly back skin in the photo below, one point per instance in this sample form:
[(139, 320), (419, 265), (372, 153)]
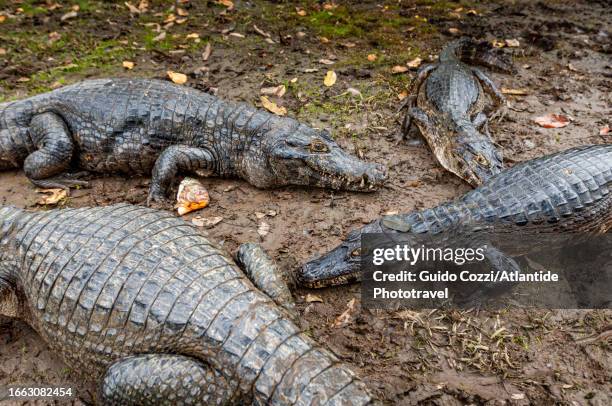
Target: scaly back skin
[(103, 284)]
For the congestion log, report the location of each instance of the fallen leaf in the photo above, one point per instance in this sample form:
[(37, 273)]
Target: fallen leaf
[(514, 92), (518, 396), (372, 57), (415, 63), (604, 131), (512, 43), (23, 79), (454, 31), (75, 7), (143, 5), (326, 61), (353, 92), (54, 36), (206, 221), (263, 229), (278, 91), (133, 9), (310, 298), (552, 121), (399, 69), (160, 37), (193, 35), (2, 51), (324, 40), (236, 34), (171, 18), (272, 107), (349, 44), (207, 52), (572, 68), (227, 3), (301, 12), (54, 196), (181, 20), (191, 196), (128, 65), (260, 31), (329, 6), (69, 15), (259, 215), (330, 78), (310, 70), (345, 317), (498, 44), (182, 12), (178, 78), (2, 18), (402, 95), (294, 80)]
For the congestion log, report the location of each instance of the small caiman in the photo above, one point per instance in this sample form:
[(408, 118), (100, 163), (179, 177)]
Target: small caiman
[(139, 302), (446, 102), (136, 126), (566, 192)]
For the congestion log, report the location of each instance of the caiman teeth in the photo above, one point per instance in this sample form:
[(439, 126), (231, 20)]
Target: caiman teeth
[(362, 182)]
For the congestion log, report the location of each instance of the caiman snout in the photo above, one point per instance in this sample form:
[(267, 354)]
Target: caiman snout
[(373, 177)]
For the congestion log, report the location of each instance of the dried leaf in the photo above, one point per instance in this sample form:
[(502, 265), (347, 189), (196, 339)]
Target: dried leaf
[(454, 31), (498, 44), (54, 196), (128, 64), (143, 5), (301, 12), (182, 12), (330, 78), (191, 196), (512, 43), (133, 9), (518, 396), (2, 18), (272, 107), (259, 215), (324, 40), (349, 44), (310, 298), (345, 317), (399, 69), (178, 78), (181, 20), (552, 121), (353, 92), (206, 221), (193, 35), (514, 92), (260, 31), (236, 34), (2, 51), (604, 131), (207, 52), (278, 91), (326, 61), (23, 79), (160, 37), (402, 95), (69, 15), (227, 3), (329, 6), (415, 63), (372, 57), (54, 36), (263, 229)]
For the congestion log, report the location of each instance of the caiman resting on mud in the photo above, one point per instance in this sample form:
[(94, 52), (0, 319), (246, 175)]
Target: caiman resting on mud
[(136, 125), (446, 102), (145, 306), (566, 192)]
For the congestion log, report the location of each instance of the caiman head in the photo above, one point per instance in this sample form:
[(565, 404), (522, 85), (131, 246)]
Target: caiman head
[(339, 266), (467, 153), (304, 156)]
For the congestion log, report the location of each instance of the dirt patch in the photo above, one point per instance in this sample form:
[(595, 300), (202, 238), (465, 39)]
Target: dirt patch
[(441, 357)]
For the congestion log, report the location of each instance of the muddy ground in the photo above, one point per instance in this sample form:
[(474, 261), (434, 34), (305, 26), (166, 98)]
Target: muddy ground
[(430, 357)]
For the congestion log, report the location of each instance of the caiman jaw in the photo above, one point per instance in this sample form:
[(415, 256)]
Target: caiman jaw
[(337, 267), (366, 177)]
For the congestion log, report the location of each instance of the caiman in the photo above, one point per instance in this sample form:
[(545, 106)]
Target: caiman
[(141, 303), (135, 126), (446, 102), (566, 192)]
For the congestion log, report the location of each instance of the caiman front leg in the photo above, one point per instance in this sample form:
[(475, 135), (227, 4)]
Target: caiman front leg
[(413, 93), (175, 159), (489, 87), (161, 379), (53, 155)]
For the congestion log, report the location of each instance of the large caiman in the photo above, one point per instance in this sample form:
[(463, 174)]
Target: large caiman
[(446, 102), (135, 126), (141, 303), (566, 192)]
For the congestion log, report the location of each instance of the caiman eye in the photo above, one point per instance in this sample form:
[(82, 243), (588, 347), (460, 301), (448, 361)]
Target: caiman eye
[(318, 146), (481, 160)]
